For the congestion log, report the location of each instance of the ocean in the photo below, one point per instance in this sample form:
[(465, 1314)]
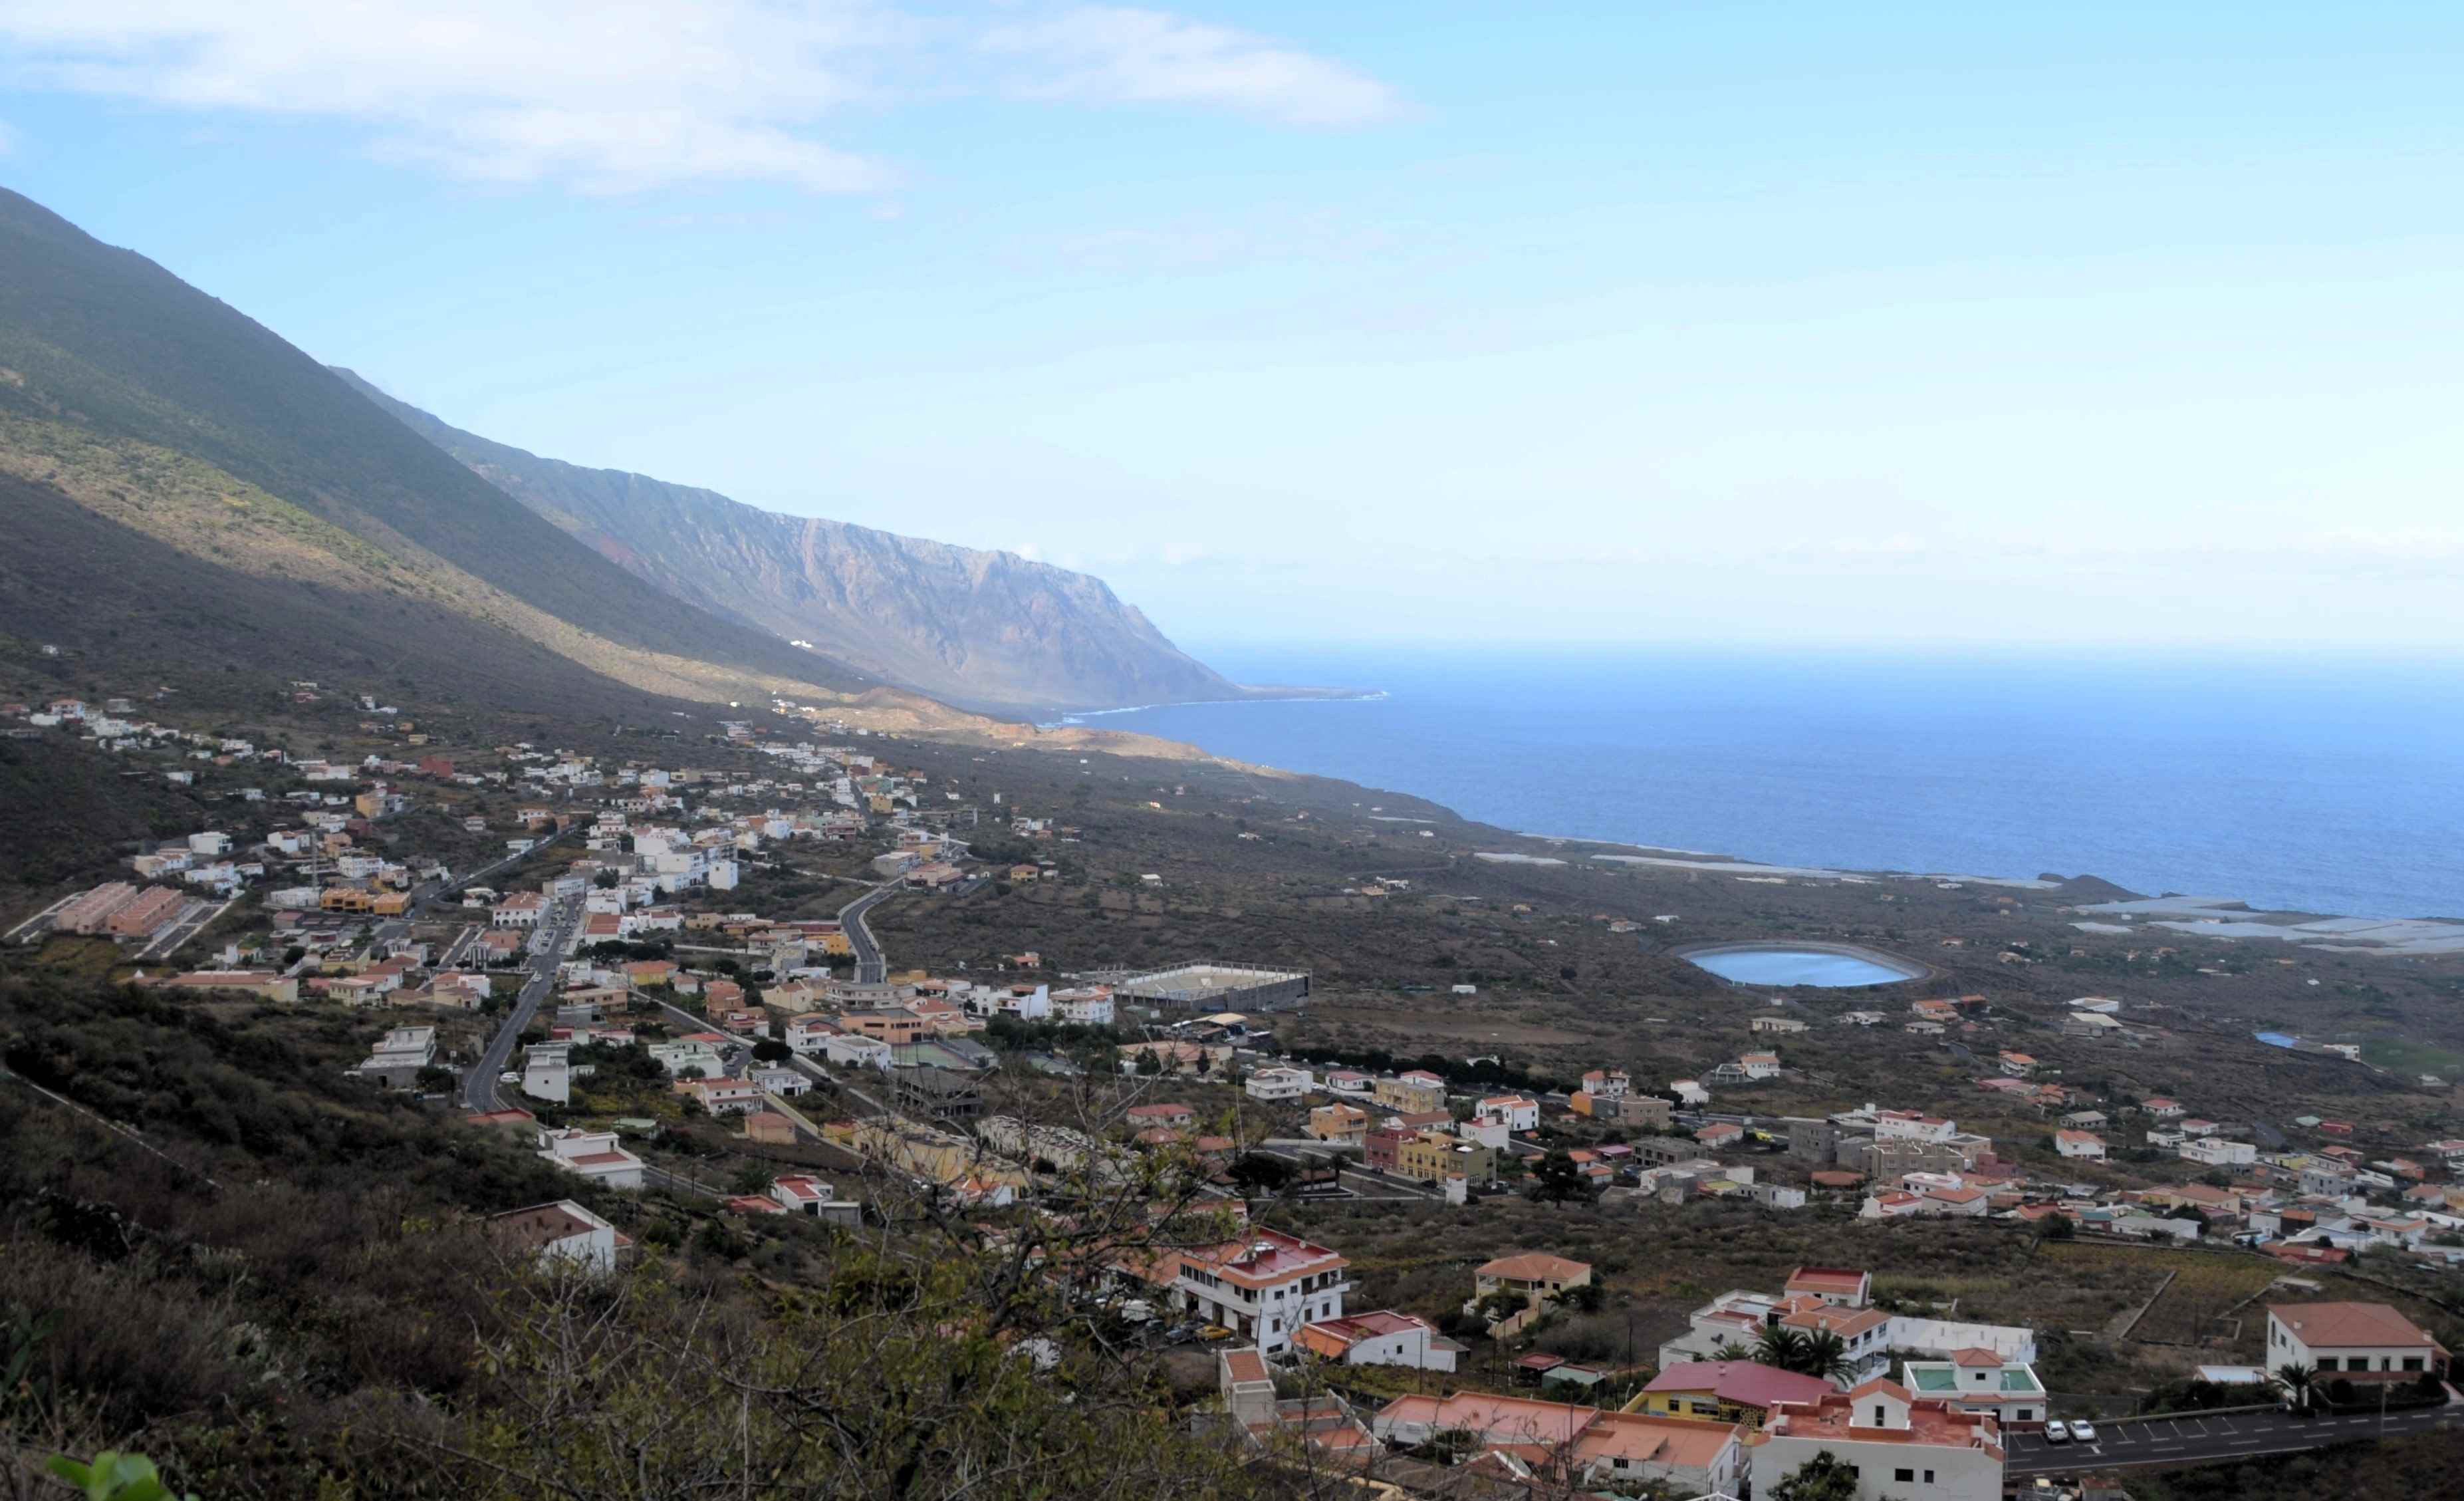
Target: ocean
[(2314, 784)]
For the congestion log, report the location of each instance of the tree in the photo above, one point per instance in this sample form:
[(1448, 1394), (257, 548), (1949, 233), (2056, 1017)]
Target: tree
[(1826, 1355), (1825, 1477), (1784, 1348), (1259, 1177), (2295, 1383), (771, 1050), (1558, 1180)]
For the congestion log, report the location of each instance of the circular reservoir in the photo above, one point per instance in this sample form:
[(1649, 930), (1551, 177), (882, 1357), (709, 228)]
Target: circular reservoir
[(1829, 967)]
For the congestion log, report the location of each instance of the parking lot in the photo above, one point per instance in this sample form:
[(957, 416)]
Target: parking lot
[(2207, 1437)]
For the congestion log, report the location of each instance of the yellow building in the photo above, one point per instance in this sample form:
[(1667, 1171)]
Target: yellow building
[(1435, 1156), (1412, 1094), (1338, 1122), (346, 898)]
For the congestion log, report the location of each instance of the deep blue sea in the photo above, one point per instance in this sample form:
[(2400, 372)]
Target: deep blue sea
[(2319, 785)]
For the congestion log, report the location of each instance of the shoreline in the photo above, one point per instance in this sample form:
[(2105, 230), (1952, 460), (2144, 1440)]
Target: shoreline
[(2218, 919)]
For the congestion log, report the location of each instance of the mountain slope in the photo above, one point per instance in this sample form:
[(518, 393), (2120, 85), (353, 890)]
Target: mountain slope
[(986, 629), (188, 490)]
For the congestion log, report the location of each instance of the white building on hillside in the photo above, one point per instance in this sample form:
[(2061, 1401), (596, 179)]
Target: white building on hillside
[(1901, 1447)]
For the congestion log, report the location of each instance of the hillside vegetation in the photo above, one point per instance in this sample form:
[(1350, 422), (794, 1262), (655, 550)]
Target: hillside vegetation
[(986, 629), (257, 510)]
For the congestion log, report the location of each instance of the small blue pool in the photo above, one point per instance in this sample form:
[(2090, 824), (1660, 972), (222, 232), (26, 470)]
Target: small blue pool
[(1760, 964)]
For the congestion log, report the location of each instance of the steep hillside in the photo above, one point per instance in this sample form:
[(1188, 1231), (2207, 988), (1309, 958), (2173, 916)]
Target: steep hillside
[(189, 491), (987, 630)]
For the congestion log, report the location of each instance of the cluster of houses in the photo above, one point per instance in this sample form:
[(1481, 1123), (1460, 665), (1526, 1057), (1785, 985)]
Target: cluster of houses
[(1912, 1406)]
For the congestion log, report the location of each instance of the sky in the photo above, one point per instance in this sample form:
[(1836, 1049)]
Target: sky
[(2126, 327)]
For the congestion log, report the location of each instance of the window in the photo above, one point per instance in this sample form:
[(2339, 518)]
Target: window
[(2412, 1363), (1903, 1476), (1928, 1480)]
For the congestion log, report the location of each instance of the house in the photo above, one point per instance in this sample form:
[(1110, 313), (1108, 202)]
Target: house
[(721, 1096), (1278, 1084), (1337, 1122), (399, 1056), (1145, 1117), (2368, 1341), (1433, 1157), (1380, 1339), (1689, 1092), (1648, 1111), (547, 1074), (1841, 1286), (1779, 1024), (1265, 1286), (1730, 1391), (2081, 1144), (2018, 1065), (1533, 1275), (1760, 1064), (1720, 1134), (1592, 1449), (1613, 1084), (1978, 1381), (559, 1234), (2164, 1109), (1412, 1093), (1894, 1443), (2219, 1152), (1514, 1112), (801, 1194), (2092, 1025), (595, 1155)]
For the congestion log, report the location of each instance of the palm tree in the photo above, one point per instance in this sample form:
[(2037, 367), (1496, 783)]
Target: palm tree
[(2297, 1381), (1826, 1354), (1784, 1348), (1730, 1350)]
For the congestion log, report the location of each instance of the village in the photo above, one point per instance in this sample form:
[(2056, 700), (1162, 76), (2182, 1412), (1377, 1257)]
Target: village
[(662, 980)]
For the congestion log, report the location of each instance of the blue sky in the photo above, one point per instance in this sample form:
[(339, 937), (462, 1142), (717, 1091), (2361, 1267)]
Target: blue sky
[(2113, 324)]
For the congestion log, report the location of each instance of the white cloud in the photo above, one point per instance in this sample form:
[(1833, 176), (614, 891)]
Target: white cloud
[(638, 93), (1117, 54)]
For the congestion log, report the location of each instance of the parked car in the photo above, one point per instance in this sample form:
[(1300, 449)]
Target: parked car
[(509, 1076), (2083, 1430), (2057, 1432)]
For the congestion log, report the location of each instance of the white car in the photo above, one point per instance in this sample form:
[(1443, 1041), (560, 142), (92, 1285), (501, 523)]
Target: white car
[(2083, 1430), (2057, 1432), (509, 1076)]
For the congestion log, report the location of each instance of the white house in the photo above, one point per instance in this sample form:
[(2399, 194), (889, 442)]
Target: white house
[(1278, 1084), (2219, 1152), (596, 1155), (1265, 1286), (1689, 1092), (1900, 1445), (688, 1058), (2080, 1143), (1981, 1381), (802, 1194), (546, 1073), (1908, 1125), (561, 1233), (1514, 1112), (1380, 1339), (2370, 1340)]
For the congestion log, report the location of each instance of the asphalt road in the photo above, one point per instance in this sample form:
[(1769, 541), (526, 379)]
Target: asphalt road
[(2154, 1443), (479, 1085), (871, 968)]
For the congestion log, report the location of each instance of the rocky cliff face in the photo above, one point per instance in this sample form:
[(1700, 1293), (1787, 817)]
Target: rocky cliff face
[(987, 631)]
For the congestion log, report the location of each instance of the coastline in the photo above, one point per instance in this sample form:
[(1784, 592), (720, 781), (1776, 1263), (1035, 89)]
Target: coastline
[(2113, 911)]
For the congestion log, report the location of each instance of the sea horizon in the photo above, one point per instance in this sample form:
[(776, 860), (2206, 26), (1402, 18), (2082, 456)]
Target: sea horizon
[(2314, 782)]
